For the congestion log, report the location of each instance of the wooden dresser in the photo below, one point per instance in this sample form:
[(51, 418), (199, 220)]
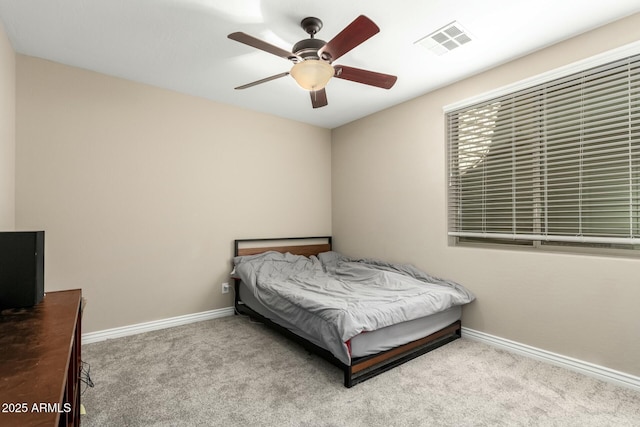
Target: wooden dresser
[(40, 362)]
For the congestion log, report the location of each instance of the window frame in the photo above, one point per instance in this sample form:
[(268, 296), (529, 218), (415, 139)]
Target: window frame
[(633, 250)]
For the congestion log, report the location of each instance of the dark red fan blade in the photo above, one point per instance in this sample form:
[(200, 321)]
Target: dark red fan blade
[(371, 78), (259, 44), (318, 98), (361, 29), (266, 79)]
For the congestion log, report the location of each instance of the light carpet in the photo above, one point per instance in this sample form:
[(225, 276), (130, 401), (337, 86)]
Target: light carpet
[(233, 372)]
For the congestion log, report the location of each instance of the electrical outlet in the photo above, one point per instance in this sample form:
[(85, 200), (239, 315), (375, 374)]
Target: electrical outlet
[(225, 288)]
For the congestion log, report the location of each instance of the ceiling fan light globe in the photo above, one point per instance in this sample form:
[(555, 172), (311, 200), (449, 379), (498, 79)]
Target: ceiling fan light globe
[(312, 74)]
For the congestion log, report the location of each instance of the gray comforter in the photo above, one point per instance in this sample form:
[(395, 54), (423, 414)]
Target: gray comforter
[(334, 297)]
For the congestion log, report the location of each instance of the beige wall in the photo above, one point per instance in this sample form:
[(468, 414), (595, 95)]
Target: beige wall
[(7, 132), (389, 201), (141, 191)]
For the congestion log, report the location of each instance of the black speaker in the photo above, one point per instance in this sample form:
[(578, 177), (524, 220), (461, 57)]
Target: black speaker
[(21, 268)]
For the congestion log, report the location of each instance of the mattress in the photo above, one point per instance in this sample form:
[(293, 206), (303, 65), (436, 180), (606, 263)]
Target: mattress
[(366, 343)]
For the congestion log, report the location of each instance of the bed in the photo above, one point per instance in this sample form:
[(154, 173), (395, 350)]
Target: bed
[(368, 317)]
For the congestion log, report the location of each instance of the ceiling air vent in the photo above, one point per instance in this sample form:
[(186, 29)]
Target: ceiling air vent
[(445, 39)]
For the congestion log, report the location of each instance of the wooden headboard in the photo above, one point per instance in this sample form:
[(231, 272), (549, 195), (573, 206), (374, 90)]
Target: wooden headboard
[(306, 246)]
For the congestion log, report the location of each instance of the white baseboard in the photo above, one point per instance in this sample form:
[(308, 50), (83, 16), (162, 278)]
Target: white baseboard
[(139, 328), (586, 368)]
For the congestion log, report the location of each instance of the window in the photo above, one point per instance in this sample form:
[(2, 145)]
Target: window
[(554, 164)]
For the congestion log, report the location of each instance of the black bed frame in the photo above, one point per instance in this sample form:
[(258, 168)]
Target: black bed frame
[(361, 368)]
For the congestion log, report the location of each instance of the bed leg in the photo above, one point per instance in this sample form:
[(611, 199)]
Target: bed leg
[(348, 379)]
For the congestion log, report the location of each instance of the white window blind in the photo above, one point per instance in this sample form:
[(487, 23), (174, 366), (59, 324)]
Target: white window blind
[(559, 161)]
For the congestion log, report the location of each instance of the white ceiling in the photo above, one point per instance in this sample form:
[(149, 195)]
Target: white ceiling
[(182, 44)]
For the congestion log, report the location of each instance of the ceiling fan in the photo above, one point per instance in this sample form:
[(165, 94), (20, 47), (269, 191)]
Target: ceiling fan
[(313, 58)]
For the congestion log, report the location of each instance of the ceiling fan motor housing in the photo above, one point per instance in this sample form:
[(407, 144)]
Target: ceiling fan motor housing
[(308, 48)]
